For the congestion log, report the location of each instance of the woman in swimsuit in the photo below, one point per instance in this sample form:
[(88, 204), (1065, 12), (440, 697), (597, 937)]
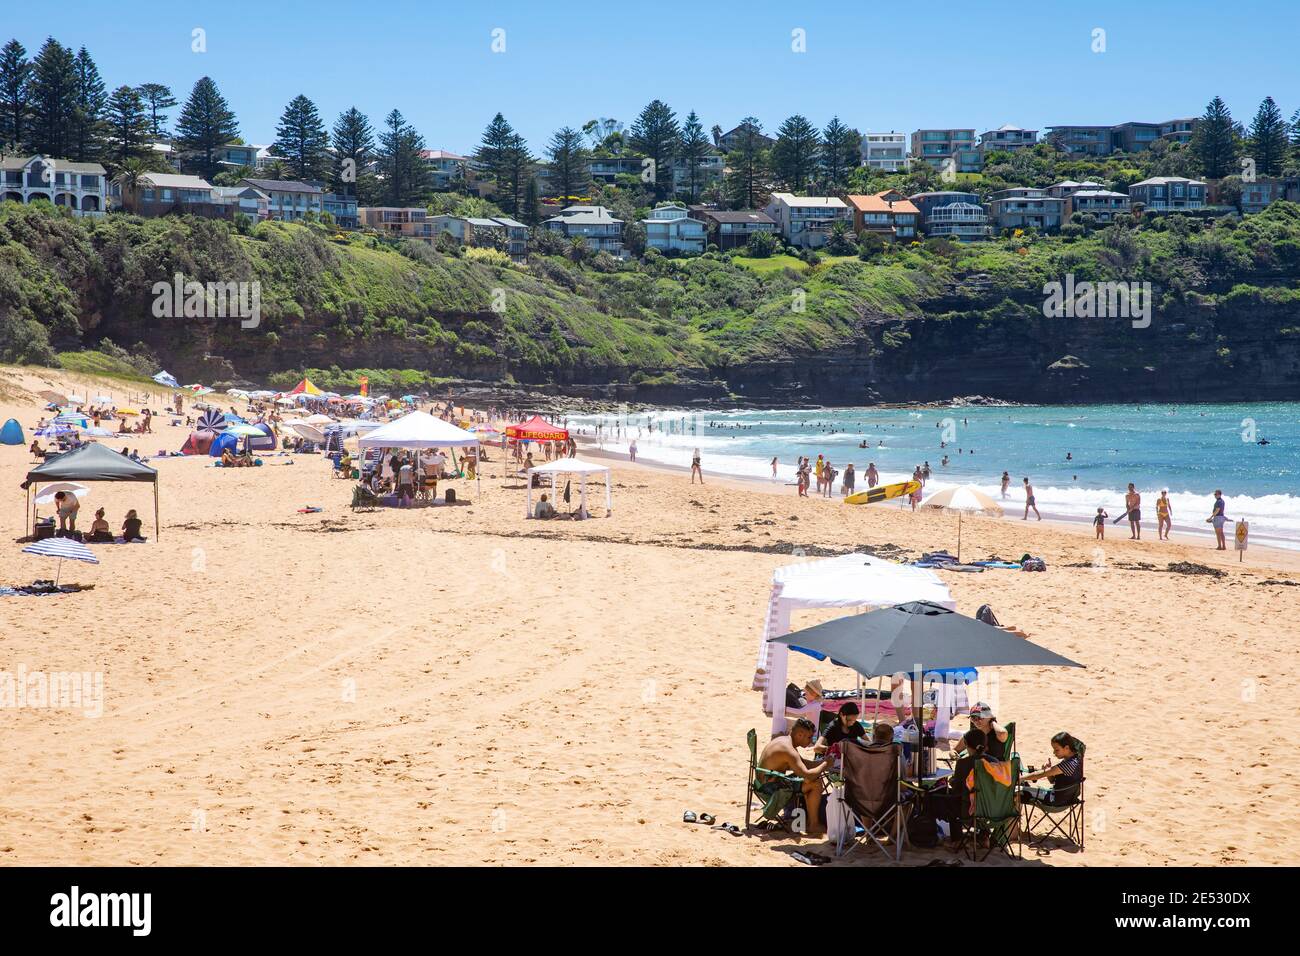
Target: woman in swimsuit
[(1164, 515), (695, 467)]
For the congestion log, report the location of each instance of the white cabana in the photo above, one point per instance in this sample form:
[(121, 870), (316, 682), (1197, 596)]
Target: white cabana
[(571, 466), (422, 430), (857, 581)]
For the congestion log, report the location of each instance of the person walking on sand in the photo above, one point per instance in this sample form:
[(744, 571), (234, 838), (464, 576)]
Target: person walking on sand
[(631, 450), (846, 483), (774, 468), (1029, 501), (1164, 515), (873, 476), (817, 472), (1099, 523), (695, 467), (1006, 481), (1133, 502), (1219, 519)]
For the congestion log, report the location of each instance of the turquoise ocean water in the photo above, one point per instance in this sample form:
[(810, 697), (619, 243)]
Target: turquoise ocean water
[(1189, 449)]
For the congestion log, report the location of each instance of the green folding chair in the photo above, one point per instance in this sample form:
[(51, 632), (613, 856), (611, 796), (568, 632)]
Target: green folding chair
[(996, 813), (1065, 819), (772, 792)]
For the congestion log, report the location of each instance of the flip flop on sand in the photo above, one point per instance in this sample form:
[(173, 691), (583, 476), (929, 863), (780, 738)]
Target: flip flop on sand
[(688, 816), (730, 828), (708, 819)]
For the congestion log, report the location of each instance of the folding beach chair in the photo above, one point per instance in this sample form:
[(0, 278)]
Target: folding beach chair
[(1065, 819), (775, 793), (992, 784), (873, 797)]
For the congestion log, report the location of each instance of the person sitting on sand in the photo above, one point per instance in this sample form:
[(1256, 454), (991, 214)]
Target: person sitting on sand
[(131, 527), (122, 428), (36, 449), (544, 509), (99, 529), (782, 754), (1065, 776)]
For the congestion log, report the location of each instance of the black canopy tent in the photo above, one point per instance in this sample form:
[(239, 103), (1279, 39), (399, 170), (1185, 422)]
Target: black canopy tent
[(92, 462)]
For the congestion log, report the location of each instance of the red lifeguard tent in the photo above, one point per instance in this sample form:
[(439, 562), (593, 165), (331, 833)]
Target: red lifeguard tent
[(305, 387), (537, 428)]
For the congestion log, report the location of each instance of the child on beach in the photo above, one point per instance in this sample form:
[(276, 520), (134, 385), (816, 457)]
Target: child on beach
[(1099, 523)]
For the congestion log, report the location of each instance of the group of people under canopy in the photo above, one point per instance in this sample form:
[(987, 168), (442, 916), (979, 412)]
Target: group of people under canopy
[(915, 620)]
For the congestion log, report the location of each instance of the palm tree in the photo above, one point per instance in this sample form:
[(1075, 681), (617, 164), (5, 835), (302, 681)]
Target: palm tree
[(128, 178)]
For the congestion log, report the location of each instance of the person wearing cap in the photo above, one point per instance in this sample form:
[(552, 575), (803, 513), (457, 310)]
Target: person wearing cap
[(796, 699), (996, 736)]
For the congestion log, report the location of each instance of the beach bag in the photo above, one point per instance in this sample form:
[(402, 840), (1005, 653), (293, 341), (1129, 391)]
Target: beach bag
[(835, 816), (922, 831)]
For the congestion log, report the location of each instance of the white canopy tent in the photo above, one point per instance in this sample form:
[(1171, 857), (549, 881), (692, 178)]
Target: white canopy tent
[(422, 430), (571, 466), (858, 581)]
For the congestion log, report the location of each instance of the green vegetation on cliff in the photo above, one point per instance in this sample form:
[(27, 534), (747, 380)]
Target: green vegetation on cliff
[(346, 303)]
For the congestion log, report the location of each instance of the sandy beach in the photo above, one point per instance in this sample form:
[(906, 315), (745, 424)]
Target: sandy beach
[(456, 685)]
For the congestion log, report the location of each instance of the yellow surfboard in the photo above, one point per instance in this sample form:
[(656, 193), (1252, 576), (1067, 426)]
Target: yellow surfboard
[(883, 493)]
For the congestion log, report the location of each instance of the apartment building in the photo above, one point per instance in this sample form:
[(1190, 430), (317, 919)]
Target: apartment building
[(249, 200), (889, 214), (161, 194), (289, 201), (1121, 138), (731, 139), (1025, 208), (402, 222), (593, 224), (1102, 203), (806, 221), (886, 152), (707, 173), (446, 168), (80, 187), (1067, 188), (1266, 190), (729, 229), (1166, 193), (939, 146), (1006, 139), (1179, 130), (503, 233), (952, 214), (672, 229)]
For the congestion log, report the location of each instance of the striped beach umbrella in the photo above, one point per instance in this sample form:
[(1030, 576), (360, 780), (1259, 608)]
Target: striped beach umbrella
[(65, 549)]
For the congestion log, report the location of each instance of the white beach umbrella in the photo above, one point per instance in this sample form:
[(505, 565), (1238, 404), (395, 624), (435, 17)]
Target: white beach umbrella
[(102, 400), (65, 549), (46, 495), (75, 399), (962, 499)]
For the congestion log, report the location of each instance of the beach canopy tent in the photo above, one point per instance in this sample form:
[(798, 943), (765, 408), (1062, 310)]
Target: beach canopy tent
[(420, 430), (571, 466), (12, 433), (198, 443), (305, 387), (94, 462), (221, 442), (167, 378), (854, 581), (536, 428)]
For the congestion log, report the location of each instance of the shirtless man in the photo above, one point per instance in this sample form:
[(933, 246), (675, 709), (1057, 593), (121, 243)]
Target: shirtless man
[(1133, 502), (780, 754), (1029, 502)]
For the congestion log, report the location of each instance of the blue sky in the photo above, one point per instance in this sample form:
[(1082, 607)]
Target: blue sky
[(880, 67)]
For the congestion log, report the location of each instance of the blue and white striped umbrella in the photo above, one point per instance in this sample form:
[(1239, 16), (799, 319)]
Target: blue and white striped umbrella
[(65, 549), (53, 431)]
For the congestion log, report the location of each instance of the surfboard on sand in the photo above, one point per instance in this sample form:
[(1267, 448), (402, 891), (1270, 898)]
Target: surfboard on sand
[(883, 493)]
